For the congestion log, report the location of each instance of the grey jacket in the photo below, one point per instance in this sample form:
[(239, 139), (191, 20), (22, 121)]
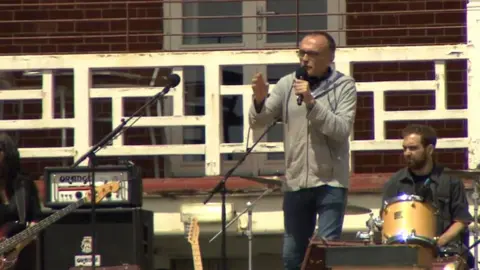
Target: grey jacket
[(316, 139)]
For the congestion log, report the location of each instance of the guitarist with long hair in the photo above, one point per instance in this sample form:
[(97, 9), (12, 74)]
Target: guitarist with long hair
[(20, 204)]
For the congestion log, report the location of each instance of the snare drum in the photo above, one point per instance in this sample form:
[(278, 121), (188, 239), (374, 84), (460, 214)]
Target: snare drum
[(409, 220)]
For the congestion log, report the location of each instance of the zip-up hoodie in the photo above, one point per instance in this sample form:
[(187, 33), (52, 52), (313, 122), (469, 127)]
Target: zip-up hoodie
[(316, 138)]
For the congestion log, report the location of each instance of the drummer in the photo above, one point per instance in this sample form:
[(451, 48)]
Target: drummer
[(424, 177)]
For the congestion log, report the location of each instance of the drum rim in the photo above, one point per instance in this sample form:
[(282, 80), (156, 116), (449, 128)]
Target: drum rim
[(403, 198), (400, 239), (407, 198)]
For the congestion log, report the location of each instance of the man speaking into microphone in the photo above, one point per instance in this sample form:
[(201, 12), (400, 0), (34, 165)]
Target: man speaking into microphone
[(317, 105)]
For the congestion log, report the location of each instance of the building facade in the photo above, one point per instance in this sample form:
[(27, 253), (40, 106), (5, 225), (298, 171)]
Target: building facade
[(131, 31)]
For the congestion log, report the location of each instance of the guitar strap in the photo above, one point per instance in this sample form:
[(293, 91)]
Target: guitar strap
[(20, 201)]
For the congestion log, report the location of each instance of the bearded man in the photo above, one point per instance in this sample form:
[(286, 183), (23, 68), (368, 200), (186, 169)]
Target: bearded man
[(425, 178)]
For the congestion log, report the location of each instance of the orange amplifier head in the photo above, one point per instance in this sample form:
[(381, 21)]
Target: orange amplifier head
[(65, 185)]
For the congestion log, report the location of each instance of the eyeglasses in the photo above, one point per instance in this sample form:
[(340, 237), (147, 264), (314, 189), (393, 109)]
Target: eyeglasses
[(302, 53)]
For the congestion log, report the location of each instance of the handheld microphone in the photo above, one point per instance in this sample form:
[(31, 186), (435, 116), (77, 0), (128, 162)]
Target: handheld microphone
[(301, 74)]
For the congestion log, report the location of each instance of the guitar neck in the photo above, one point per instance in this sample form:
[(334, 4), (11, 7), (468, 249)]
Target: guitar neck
[(11, 242), (197, 257)]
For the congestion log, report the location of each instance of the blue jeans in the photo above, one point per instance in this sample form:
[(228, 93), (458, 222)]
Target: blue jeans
[(300, 209)]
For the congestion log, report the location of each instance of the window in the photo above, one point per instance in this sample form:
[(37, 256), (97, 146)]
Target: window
[(243, 30)]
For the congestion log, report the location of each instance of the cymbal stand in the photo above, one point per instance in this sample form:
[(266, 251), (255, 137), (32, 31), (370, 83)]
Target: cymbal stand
[(475, 197), (249, 231), (369, 235)]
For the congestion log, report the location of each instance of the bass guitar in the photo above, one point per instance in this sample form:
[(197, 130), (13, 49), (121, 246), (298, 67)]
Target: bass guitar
[(10, 247)]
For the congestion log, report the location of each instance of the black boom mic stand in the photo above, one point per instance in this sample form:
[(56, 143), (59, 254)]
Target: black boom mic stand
[(222, 189), (173, 81)]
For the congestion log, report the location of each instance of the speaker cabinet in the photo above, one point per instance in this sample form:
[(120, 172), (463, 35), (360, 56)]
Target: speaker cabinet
[(123, 236)]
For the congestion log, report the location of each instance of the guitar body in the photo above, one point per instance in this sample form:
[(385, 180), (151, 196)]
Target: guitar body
[(8, 260)]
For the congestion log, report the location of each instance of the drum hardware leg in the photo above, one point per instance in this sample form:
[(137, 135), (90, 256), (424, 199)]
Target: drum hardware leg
[(364, 236), (368, 236), (371, 228), (378, 223)]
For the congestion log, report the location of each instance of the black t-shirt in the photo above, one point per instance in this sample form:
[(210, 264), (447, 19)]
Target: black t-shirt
[(421, 183)]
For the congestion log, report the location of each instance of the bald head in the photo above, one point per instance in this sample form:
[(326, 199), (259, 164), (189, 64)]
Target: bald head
[(325, 39)]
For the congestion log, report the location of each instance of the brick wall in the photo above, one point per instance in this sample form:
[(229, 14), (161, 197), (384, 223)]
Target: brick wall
[(429, 22), (61, 26)]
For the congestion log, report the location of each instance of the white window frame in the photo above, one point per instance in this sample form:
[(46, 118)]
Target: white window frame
[(256, 163)]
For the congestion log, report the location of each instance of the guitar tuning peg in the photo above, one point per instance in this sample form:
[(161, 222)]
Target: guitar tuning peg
[(186, 229)]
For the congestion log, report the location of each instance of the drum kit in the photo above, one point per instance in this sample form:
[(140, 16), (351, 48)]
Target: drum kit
[(409, 220)]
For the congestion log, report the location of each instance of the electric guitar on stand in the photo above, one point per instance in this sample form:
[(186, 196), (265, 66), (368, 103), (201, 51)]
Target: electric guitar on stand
[(10, 247), (192, 237)]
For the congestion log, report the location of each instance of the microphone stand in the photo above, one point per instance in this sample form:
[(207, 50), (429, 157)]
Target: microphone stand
[(222, 189), (249, 232), (173, 80)]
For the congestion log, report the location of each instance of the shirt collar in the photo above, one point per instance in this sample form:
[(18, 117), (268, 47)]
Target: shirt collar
[(406, 175)]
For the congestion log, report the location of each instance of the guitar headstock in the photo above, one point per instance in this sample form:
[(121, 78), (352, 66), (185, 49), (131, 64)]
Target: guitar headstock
[(104, 190), (193, 231)]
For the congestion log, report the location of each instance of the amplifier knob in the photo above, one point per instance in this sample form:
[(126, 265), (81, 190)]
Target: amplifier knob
[(78, 195)]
